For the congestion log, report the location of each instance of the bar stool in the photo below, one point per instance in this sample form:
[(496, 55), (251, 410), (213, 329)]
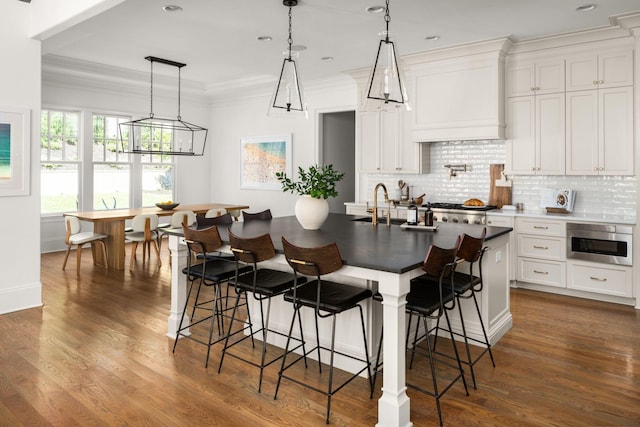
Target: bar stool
[(205, 271), (466, 285), (328, 299), (430, 297), (264, 284)]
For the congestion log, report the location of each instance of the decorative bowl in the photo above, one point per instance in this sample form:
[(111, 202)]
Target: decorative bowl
[(167, 206)]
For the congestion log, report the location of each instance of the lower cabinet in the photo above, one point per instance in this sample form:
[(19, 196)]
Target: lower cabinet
[(507, 221), (542, 272), (600, 278)]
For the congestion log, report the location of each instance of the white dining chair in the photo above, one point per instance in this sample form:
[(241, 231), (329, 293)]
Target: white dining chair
[(145, 231), (78, 239)]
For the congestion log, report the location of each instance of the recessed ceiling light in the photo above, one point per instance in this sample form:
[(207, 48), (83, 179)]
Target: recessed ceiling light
[(327, 58), (172, 8), (298, 47), (264, 38), (432, 38), (586, 7), (375, 9)]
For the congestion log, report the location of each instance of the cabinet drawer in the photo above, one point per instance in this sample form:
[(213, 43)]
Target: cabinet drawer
[(500, 221), (541, 247), (541, 227), (550, 273), (600, 278)]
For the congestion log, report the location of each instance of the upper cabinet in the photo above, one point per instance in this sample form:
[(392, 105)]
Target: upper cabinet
[(600, 71), (457, 94), (535, 77)]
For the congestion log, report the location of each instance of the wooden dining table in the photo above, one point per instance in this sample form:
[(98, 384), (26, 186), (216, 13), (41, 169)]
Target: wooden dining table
[(112, 223)]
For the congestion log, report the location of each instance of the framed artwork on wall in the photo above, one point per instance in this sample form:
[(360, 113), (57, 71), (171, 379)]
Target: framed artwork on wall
[(15, 140), (261, 157)]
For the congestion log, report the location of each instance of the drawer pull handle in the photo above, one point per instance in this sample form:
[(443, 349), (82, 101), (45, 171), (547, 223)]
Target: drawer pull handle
[(598, 279), (540, 227), (540, 272), (540, 247)]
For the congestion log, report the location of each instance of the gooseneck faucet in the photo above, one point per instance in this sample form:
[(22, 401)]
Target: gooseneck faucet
[(374, 212)]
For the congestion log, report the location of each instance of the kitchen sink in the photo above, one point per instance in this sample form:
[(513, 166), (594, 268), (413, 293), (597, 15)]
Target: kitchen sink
[(381, 220)]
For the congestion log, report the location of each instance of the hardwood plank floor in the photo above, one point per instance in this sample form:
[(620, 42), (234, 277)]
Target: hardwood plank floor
[(97, 354)]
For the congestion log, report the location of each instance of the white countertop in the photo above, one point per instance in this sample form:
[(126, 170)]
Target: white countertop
[(538, 213)]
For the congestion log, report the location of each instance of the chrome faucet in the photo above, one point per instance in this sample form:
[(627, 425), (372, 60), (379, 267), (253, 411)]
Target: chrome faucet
[(374, 212)]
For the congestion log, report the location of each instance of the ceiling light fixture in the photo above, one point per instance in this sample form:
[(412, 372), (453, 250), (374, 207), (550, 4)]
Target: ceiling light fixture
[(375, 9), (432, 38), (169, 137), (586, 7), (172, 8), (386, 80), (327, 58), (264, 38), (287, 100)]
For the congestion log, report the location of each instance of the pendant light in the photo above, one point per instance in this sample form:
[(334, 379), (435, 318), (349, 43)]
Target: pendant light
[(385, 85), (171, 137), (287, 99)]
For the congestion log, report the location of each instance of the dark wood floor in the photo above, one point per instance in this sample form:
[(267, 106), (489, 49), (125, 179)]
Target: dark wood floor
[(97, 354)]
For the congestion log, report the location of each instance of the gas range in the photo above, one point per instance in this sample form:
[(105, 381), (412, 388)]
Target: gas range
[(458, 213)]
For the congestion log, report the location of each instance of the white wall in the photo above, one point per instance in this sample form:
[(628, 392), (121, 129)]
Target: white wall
[(233, 119), (20, 285)]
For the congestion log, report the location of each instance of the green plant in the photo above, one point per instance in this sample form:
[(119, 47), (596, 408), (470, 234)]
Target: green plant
[(317, 182)]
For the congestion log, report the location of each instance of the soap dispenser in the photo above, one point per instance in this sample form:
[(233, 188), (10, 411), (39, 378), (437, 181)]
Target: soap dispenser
[(412, 214), (428, 216)]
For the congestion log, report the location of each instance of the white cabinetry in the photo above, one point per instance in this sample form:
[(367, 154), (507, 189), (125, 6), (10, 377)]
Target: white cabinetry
[(536, 134), (540, 77), (506, 221), (383, 146), (541, 251), (604, 70), (599, 278), (600, 132)]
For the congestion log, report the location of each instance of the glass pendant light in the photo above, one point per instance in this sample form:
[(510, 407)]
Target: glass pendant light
[(385, 86), (157, 136), (287, 99)]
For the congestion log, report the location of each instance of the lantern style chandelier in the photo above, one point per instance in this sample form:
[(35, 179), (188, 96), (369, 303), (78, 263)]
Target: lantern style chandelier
[(287, 99), (385, 82), (171, 137)]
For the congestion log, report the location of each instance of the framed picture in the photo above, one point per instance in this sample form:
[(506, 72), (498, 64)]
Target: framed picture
[(15, 140), (261, 157)]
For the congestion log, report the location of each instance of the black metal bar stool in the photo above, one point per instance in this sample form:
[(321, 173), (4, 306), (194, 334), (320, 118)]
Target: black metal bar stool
[(328, 299), (466, 285), (202, 270), (430, 297), (264, 284)]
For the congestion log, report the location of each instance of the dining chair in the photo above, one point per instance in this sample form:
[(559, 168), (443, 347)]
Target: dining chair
[(250, 216), (202, 271), (178, 219), (327, 299), (78, 239), (145, 231), (264, 284)]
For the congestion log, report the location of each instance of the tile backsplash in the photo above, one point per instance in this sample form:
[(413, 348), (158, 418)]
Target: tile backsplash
[(608, 195)]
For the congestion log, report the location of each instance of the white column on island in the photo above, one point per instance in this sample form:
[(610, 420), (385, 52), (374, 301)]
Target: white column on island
[(394, 405), (178, 286)]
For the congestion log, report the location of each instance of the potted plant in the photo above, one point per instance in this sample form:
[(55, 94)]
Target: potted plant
[(315, 184)]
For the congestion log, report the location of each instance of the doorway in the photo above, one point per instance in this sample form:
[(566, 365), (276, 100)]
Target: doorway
[(338, 148)]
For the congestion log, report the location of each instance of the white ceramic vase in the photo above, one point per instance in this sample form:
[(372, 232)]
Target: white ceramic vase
[(311, 212)]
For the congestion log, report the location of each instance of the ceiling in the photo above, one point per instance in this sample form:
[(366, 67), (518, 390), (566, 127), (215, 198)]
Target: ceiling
[(218, 39)]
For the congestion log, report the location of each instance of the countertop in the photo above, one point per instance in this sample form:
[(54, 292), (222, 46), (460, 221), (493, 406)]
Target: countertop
[(382, 248), (538, 213)]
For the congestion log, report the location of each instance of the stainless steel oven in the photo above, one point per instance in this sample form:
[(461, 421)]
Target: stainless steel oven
[(606, 243)]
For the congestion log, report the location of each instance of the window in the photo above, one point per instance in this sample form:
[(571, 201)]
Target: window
[(59, 161), (111, 169)]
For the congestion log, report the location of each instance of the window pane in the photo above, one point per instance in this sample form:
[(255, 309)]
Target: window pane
[(59, 187), (111, 186), (157, 184)]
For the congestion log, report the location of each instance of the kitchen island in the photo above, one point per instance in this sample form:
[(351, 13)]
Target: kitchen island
[(384, 259)]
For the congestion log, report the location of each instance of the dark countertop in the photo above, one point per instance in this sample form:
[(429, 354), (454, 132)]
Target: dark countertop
[(383, 248)]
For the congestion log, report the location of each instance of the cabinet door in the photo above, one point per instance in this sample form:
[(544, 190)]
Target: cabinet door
[(616, 131), (369, 141), (582, 72), (550, 137), (615, 69), (550, 76), (521, 79), (582, 133), (389, 140), (540, 77), (521, 146)]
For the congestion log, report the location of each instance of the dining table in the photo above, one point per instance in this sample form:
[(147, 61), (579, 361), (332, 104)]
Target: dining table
[(383, 258), (112, 223)]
